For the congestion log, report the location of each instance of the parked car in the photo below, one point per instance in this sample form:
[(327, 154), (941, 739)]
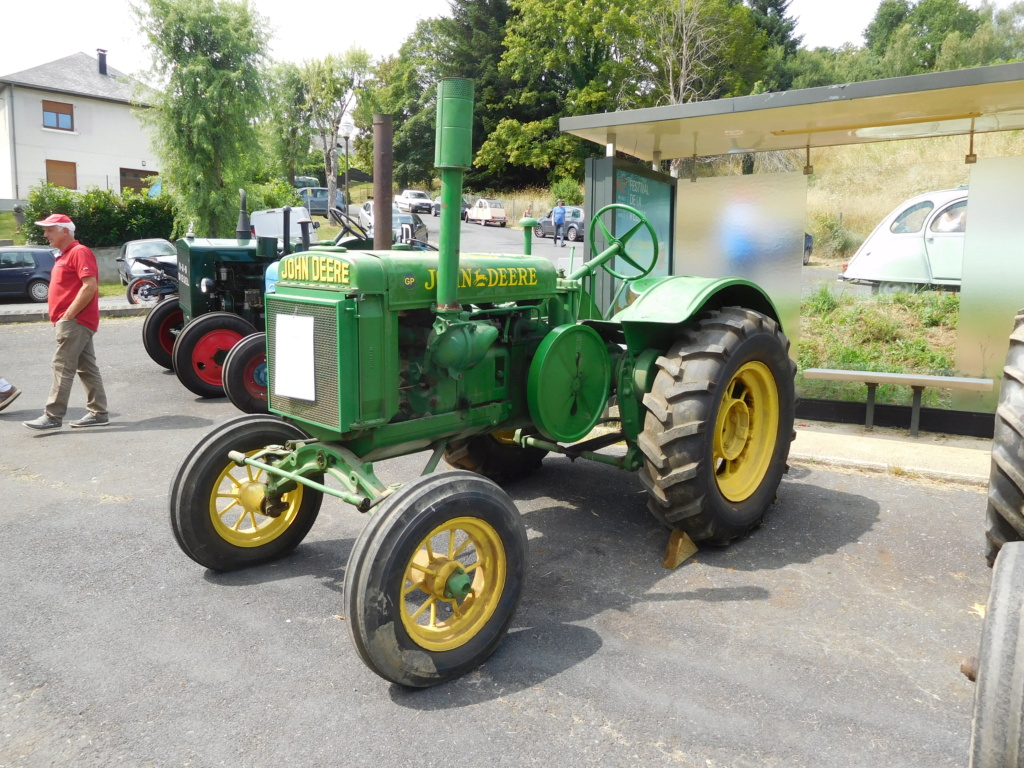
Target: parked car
[(919, 244), (270, 223), (487, 211), (435, 207), (151, 248), (398, 218), (575, 224), (808, 247), (314, 200), (25, 271), (413, 201)]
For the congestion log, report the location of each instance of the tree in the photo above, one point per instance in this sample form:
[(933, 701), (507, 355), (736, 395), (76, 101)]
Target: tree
[(890, 16), (781, 46), (209, 52), (331, 84), (287, 124)]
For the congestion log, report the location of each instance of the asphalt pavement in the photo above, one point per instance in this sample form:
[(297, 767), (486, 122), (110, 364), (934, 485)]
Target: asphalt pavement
[(831, 637)]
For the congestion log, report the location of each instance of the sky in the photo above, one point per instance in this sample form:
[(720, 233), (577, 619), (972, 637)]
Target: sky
[(301, 32)]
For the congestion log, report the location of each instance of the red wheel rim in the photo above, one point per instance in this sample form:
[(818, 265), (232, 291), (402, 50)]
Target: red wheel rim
[(209, 353), (254, 370), (164, 332)]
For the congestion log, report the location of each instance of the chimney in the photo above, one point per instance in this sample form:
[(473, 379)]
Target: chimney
[(102, 53)]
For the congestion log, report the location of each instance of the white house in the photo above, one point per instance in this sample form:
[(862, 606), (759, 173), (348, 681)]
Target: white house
[(71, 122)]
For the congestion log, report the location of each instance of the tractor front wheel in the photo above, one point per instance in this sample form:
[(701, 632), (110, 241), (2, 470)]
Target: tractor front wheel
[(719, 424), (218, 515), (434, 579), (494, 456), (245, 374), (202, 347), (160, 329)]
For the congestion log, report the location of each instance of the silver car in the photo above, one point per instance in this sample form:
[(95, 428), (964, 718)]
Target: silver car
[(919, 245)]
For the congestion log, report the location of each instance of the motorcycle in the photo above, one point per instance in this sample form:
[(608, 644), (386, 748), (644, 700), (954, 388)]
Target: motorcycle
[(155, 287)]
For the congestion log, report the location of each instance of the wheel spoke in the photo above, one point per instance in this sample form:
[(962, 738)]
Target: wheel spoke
[(428, 603), (604, 231), (629, 233)]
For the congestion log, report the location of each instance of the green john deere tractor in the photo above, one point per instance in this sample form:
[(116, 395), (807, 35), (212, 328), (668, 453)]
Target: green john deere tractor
[(490, 363)]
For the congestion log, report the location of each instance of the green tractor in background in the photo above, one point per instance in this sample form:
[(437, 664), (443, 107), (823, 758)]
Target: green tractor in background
[(490, 362), (212, 335)]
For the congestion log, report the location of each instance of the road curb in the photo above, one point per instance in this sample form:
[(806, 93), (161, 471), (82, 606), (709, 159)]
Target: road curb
[(890, 469), (42, 316)]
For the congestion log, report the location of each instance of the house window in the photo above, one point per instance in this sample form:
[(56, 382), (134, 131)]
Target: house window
[(57, 114), (132, 178), (62, 174)]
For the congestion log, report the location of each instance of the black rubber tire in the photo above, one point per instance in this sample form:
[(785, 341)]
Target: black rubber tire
[(678, 441), (244, 367), (538, 232), (499, 461), (195, 483), (201, 348), (38, 291), (135, 288), (376, 576), (1005, 515), (572, 234), (160, 329), (997, 730), (503, 223)]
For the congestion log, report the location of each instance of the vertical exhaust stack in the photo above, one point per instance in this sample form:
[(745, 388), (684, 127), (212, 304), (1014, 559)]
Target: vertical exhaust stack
[(453, 155), (243, 229)]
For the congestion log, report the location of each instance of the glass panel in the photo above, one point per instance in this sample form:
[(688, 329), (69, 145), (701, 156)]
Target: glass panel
[(750, 227), (912, 219), (953, 219), (49, 119), (993, 276), (64, 122)]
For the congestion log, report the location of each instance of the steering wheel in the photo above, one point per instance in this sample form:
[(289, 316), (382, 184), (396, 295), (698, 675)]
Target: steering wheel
[(618, 246), (349, 226)]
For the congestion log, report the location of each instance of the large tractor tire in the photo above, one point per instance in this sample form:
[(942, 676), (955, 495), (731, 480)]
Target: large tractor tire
[(217, 515), (434, 578), (202, 347), (160, 329), (719, 425), (245, 374), (494, 456), (997, 731), (1005, 516)]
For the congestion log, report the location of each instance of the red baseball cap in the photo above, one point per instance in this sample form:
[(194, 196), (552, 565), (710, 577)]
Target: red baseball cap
[(54, 219)]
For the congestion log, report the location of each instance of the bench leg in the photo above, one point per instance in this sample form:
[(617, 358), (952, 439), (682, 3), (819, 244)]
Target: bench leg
[(915, 411), (869, 421)]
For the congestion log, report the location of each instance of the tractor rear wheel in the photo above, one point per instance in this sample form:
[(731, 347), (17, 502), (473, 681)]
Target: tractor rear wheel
[(201, 348), (217, 515), (1006, 477), (997, 730), (494, 456), (160, 329), (719, 424), (434, 579), (245, 374)]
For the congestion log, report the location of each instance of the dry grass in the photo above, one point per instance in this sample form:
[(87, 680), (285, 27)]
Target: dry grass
[(860, 184)]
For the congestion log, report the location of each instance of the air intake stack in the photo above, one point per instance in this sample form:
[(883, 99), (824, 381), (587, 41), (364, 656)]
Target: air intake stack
[(453, 155)]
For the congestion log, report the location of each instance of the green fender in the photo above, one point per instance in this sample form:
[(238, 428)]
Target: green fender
[(662, 303)]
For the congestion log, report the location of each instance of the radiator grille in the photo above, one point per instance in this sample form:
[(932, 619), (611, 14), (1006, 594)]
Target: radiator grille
[(323, 410)]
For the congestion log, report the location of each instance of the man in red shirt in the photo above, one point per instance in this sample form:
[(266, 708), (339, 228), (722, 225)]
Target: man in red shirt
[(75, 312)]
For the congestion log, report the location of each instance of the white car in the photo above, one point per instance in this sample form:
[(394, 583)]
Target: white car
[(270, 223), (486, 211), (413, 201), (919, 245)]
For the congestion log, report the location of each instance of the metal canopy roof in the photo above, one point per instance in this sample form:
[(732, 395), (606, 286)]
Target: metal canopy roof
[(940, 104)]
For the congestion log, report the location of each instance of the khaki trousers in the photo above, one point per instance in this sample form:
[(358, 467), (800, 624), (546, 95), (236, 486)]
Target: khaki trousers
[(75, 354)]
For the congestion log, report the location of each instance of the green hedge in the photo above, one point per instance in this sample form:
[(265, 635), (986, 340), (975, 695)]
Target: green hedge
[(102, 218)]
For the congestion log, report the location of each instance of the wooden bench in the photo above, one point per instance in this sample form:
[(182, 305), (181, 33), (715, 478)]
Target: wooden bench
[(914, 381)]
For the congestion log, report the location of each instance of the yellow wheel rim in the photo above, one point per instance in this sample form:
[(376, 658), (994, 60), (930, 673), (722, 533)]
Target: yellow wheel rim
[(464, 548), (236, 511), (505, 436), (745, 431)]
